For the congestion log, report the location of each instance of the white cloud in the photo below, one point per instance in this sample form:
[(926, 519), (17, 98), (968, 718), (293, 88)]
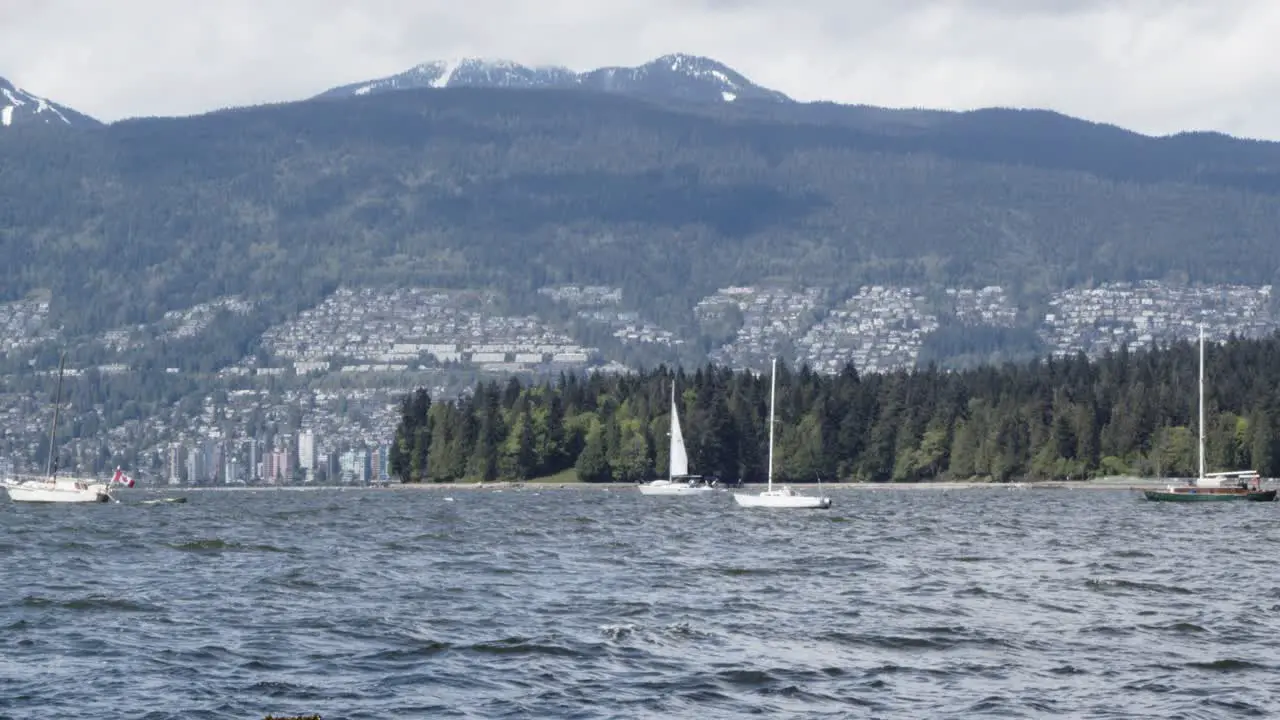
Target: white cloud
[(1157, 66)]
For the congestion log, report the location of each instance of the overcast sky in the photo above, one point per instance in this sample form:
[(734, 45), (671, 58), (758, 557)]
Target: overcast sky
[(1157, 66)]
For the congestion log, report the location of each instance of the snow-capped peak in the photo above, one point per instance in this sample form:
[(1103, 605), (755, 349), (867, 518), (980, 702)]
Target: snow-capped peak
[(675, 76), (685, 77), (681, 62), (18, 106), (462, 72), (699, 67)]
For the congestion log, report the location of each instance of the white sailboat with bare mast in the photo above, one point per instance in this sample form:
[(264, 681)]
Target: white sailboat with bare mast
[(51, 488), (785, 496), (678, 480), (1216, 486)]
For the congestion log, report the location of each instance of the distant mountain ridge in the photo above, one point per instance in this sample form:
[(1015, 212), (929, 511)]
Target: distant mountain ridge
[(20, 107), (690, 78)]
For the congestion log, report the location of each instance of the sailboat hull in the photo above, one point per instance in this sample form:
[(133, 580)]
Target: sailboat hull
[(1210, 495), (45, 493), (675, 489), (777, 499)]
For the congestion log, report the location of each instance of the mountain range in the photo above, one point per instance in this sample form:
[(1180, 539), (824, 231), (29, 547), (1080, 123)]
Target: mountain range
[(492, 175), (670, 77), (676, 77)]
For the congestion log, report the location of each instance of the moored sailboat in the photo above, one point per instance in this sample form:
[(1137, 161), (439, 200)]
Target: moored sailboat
[(785, 496), (53, 489), (1213, 487)]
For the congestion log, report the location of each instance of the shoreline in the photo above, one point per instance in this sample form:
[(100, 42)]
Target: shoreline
[(1126, 483), (1111, 483)]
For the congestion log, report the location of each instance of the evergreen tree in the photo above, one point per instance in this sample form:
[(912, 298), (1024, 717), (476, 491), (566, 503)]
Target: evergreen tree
[(964, 451), (593, 463), (632, 465), (444, 447), (1263, 448), (520, 458)]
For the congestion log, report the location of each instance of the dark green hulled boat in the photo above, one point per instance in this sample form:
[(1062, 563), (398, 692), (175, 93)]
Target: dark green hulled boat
[(1192, 493), (1213, 487)]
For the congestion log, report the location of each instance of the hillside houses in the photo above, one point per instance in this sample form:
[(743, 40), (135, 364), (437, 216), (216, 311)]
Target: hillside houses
[(391, 330), (1102, 319), (879, 329), (186, 323), (985, 306), (583, 295), (24, 324), (771, 317), (600, 304)]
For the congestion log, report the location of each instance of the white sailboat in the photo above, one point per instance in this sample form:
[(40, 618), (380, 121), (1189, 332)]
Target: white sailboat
[(678, 480), (1216, 486), (785, 496), (51, 488)]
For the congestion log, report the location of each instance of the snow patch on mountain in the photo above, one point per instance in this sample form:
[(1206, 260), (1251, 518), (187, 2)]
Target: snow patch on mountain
[(19, 106), (446, 73)]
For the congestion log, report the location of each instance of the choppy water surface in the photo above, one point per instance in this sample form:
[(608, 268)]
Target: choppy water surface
[(586, 603)]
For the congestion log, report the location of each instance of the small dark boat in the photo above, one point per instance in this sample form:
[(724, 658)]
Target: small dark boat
[(160, 501)]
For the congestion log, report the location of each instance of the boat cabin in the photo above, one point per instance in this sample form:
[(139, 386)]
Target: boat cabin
[(1248, 479), (696, 480)]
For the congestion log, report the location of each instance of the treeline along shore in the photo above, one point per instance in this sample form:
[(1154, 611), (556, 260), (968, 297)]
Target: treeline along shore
[(1128, 413)]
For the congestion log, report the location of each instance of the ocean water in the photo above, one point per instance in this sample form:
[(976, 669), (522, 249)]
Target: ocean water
[(585, 603)]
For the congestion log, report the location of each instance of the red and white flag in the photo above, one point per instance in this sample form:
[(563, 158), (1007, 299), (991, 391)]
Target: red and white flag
[(121, 478)]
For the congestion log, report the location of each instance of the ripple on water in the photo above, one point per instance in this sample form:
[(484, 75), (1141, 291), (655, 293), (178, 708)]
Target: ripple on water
[(1117, 585), (219, 545)]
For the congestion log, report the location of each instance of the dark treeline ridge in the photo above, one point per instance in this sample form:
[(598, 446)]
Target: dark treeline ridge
[(1064, 418)]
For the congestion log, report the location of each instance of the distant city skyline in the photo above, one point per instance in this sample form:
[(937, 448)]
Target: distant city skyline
[(247, 460), (1153, 66)]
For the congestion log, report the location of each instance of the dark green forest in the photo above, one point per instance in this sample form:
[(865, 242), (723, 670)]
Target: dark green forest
[(1066, 419), (514, 190)]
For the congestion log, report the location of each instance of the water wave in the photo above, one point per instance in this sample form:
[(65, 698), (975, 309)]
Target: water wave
[(217, 544)]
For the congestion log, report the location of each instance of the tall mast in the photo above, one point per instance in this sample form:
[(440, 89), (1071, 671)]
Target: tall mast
[(53, 431), (1201, 439), (671, 475), (773, 384)]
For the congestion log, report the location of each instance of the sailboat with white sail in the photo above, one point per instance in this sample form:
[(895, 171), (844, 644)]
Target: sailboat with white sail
[(785, 496), (53, 489), (678, 480)]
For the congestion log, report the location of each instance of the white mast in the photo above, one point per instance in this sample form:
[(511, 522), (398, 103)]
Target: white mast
[(671, 460), (773, 383), (1201, 440), (51, 470)]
